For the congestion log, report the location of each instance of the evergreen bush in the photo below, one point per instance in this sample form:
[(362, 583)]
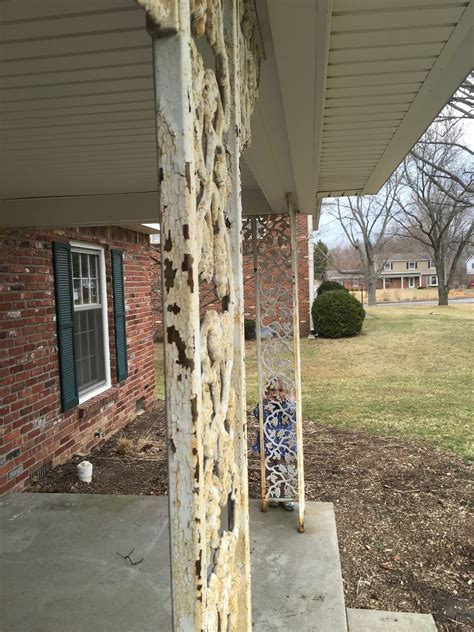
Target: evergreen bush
[(249, 329), (330, 286), (337, 314)]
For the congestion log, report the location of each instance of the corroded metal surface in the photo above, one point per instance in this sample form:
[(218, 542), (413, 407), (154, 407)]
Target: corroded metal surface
[(273, 239), (198, 127)]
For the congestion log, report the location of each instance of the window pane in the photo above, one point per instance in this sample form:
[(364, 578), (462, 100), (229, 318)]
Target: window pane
[(77, 292), (89, 348), (75, 265), (86, 298), (94, 278)]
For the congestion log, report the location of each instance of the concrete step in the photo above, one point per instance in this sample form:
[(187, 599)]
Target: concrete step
[(381, 621), (296, 577)]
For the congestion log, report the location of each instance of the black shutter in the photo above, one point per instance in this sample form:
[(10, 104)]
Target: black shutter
[(65, 324), (119, 316)]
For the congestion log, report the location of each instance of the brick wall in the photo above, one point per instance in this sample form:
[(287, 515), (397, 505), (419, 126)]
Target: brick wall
[(35, 432), (249, 286)]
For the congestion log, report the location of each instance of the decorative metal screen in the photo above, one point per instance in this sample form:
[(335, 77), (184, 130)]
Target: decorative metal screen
[(279, 409)]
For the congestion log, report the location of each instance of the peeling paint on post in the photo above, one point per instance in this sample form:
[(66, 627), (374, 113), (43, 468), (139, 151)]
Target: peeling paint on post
[(243, 615), (199, 142), (175, 140)]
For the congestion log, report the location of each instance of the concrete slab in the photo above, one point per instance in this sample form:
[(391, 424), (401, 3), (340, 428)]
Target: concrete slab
[(60, 571), (380, 621), (296, 578)]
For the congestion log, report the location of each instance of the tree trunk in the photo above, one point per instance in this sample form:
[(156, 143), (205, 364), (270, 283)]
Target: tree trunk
[(371, 281), (443, 289), (443, 292)]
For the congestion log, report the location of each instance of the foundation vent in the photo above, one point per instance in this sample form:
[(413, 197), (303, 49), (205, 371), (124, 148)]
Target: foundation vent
[(41, 472)]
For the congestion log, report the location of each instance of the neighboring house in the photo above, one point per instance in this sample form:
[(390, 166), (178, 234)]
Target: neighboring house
[(470, 270), (408, 271), (350, 279), (401, 271), (76, 361)]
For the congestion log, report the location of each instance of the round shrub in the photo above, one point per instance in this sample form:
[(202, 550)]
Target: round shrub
[(330, 286), (337, 314), (249, 329)]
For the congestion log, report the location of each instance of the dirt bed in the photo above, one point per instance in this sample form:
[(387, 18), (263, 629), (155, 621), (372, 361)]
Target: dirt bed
[(401, 507)]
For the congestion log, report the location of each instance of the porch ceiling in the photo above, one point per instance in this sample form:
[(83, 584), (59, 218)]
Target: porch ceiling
[(345, 92)]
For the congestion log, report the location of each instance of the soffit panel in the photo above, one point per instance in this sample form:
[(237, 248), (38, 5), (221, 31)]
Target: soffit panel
[(381, 57), (78, 116)]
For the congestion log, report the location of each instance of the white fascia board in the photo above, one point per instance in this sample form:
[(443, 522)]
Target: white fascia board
[(300, 33), (81, 210), (454, 63)]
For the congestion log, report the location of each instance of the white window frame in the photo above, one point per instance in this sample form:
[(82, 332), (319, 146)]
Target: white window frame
[(411, 283), (80, 246), (433, 276), (412, 265), (431, 264), (388, 265)]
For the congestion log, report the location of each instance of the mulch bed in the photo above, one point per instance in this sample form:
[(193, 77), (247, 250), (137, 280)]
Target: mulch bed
[(402, 509)]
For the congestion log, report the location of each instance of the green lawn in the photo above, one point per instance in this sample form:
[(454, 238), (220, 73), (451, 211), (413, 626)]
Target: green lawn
[(409, 374)]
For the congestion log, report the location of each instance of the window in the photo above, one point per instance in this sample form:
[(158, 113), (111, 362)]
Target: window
[(472, 265), (411, 282), (82, 320), (433, 279), (388, 266), (431, 264), (90, 320), (412, 265)]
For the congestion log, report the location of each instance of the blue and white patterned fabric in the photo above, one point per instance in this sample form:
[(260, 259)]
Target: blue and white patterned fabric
[(279, 425)]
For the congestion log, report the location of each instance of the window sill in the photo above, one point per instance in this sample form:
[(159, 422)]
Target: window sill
[(97, 402)]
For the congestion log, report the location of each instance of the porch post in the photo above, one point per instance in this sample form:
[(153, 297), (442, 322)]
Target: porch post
[(297, 367), (201, 129), (273, 239), (243, 620)]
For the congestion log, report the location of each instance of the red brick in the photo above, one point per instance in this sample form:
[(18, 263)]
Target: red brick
[(31, 386)]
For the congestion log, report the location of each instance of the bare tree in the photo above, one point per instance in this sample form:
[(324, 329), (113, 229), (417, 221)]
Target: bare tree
[(462, 101), (366, 221), (437, 198), (344, 257)]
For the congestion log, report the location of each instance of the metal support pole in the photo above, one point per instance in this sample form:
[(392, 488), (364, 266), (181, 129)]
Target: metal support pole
[(258, 331), (297, 369)]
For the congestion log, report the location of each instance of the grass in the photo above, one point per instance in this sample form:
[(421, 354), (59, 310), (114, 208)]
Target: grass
[(409, 375)]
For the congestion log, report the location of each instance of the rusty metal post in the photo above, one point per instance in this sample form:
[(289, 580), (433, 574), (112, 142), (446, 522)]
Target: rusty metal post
[(297, 367), (258, 332)]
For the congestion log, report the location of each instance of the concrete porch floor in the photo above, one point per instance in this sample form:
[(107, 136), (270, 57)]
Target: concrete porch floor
[(60, 569)]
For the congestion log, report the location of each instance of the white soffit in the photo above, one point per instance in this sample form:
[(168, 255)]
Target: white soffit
[(391, 67), (77, 101), (347, 87), (77, 115)]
